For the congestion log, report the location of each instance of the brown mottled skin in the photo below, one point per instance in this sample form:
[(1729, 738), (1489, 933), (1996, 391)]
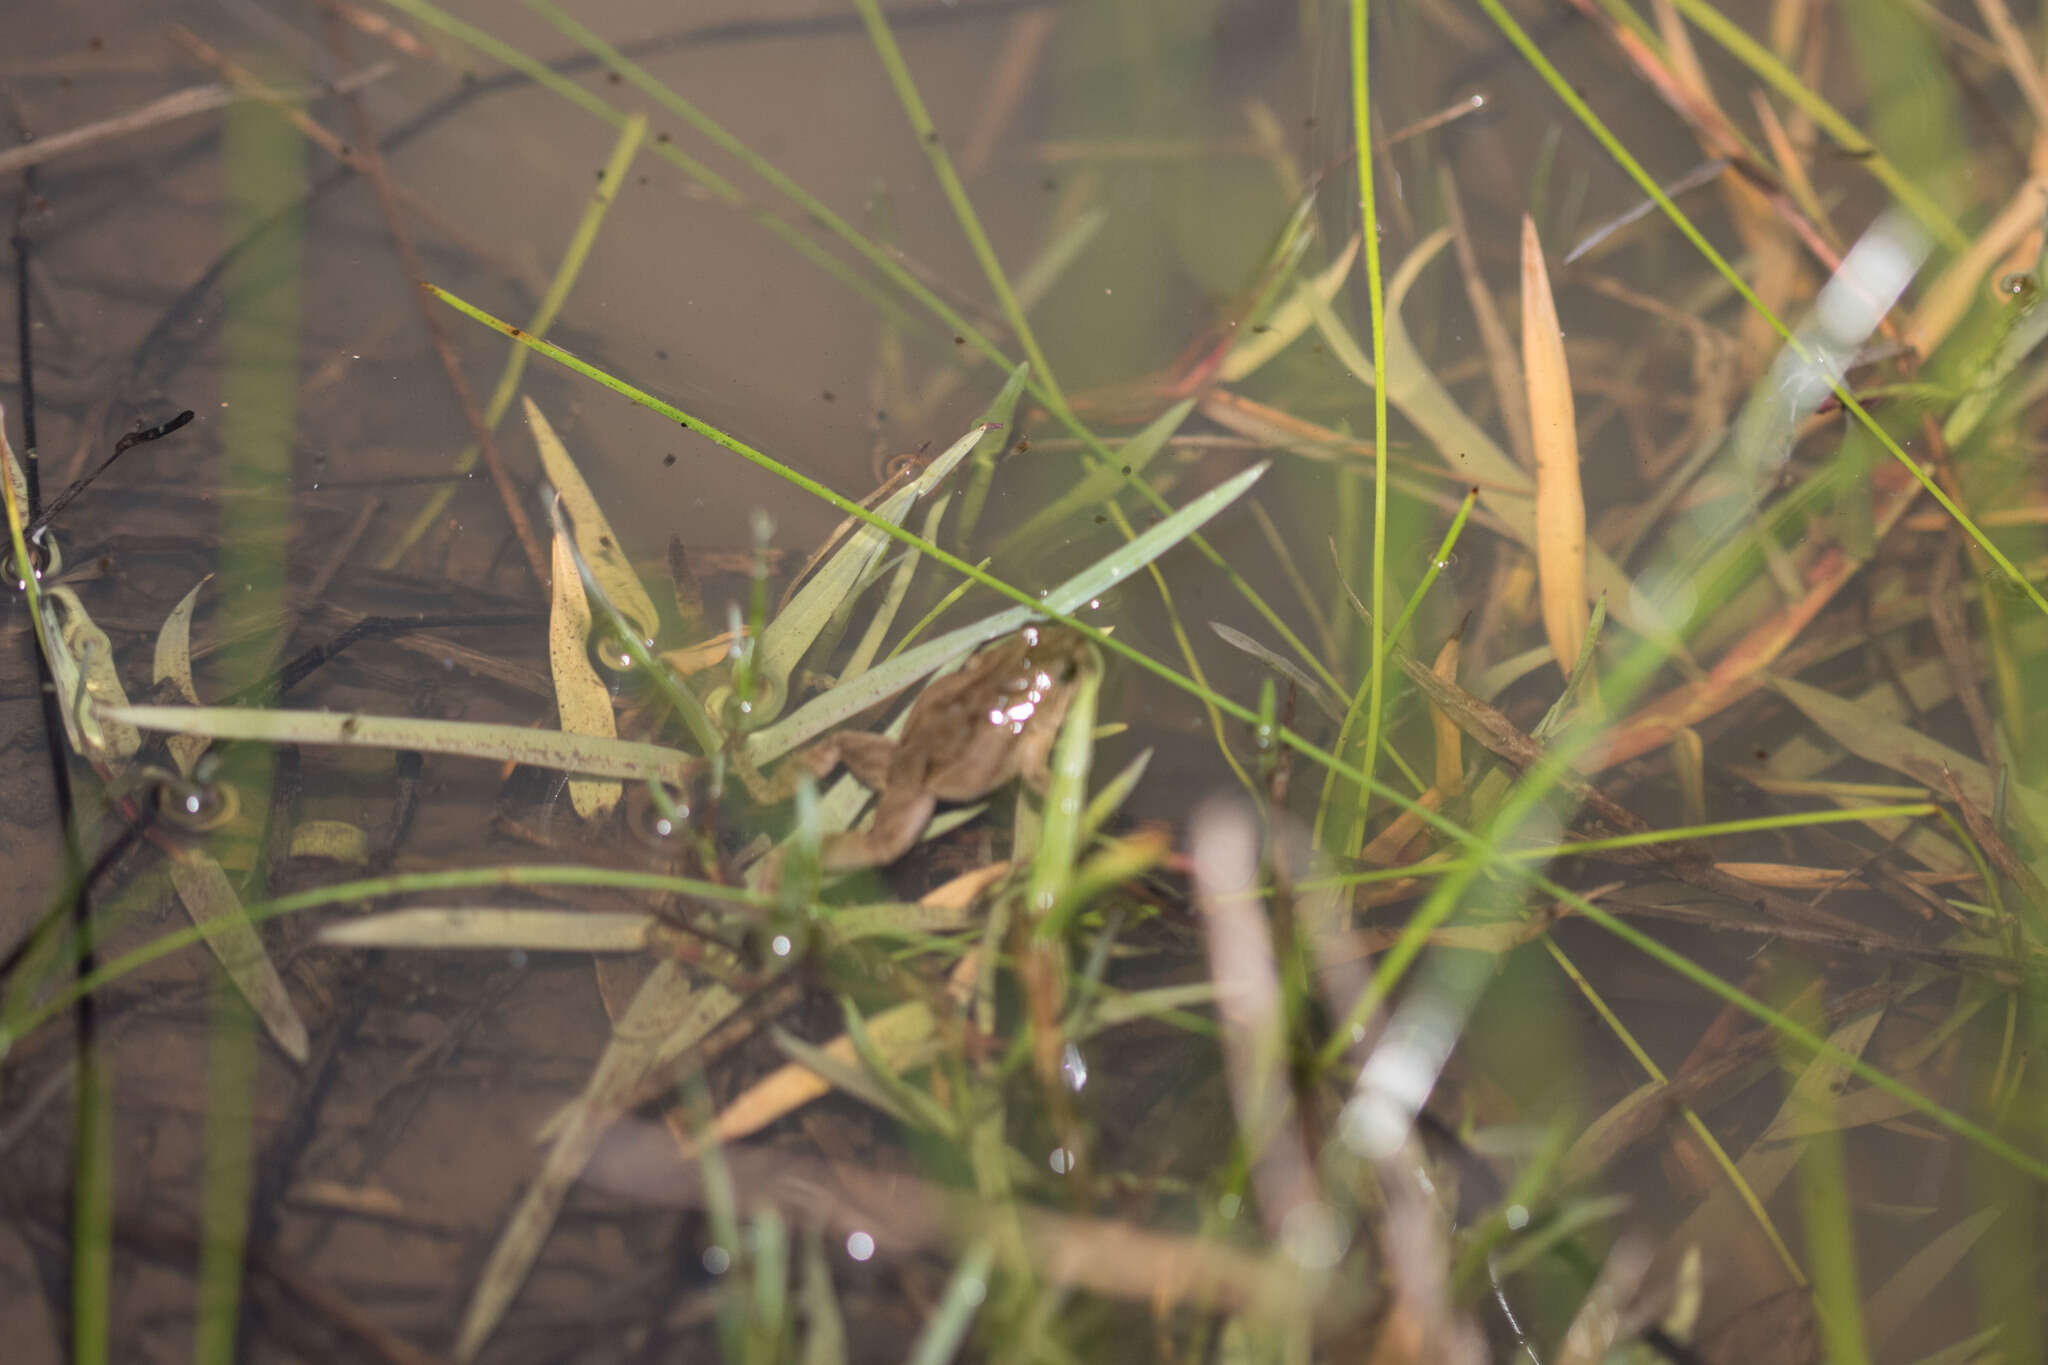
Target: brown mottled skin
[(967, 735)]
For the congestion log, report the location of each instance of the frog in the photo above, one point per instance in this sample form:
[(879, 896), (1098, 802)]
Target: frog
[(968, 734)]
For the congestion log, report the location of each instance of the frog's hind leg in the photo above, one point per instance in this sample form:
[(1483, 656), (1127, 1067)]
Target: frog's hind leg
[(866, 757), (899, 818)]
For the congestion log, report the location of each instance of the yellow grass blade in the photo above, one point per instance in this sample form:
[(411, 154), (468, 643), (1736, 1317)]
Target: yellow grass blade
[(581, 697), (1560, 502)]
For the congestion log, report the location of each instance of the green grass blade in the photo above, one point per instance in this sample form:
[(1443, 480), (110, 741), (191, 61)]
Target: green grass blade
[(956, 194), (631, 132), (1361, 118), (942, 1337)]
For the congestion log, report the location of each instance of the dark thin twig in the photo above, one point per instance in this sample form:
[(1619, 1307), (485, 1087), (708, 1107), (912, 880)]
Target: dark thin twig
[(134, 438), (268, 690), (131, 834)]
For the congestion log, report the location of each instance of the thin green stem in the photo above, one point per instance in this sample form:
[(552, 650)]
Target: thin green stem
[(956, 194), (1361, 114)]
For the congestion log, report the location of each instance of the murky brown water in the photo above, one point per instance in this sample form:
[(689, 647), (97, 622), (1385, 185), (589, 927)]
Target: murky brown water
[(387, 1164)]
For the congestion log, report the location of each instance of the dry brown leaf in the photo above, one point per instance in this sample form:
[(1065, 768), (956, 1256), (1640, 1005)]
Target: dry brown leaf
[(1560, 501), (1450, 756), (173, 666), (594, 538)]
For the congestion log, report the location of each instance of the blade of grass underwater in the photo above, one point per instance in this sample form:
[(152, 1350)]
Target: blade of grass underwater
[(956, 194), (940, 1340), (471, 927), (1102, 482), (595, 540), (210, 899), (996, 418), (1892, 1306), (1317, 694), (1905, 750), (681, 699), (230, 1174), (1830, 1238), (582, 701), (1340, 811), (172, 667), (1289, 320), (468, 739), (669, 1014), (790, 635), (27, 1017), (262, 335), (825, 1336), (884, 617), (91, 1264), (1378, 311), (631, 131), (1066, 798)]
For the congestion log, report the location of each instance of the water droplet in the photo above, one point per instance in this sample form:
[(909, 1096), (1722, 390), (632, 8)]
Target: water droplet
[(1074, 1067)]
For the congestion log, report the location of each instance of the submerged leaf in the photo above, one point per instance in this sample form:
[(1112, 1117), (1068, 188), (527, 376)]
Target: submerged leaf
[(211, 901), (1294, 673), (669, 1014), (174, 669), (594, 538), (796, 627), (536, 931), (469, 739), (1104, 481), (1905, 750), (1289, 320), (581, 697)]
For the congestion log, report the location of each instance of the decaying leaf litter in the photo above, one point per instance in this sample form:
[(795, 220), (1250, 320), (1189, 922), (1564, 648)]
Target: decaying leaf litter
[(1826, 557)]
